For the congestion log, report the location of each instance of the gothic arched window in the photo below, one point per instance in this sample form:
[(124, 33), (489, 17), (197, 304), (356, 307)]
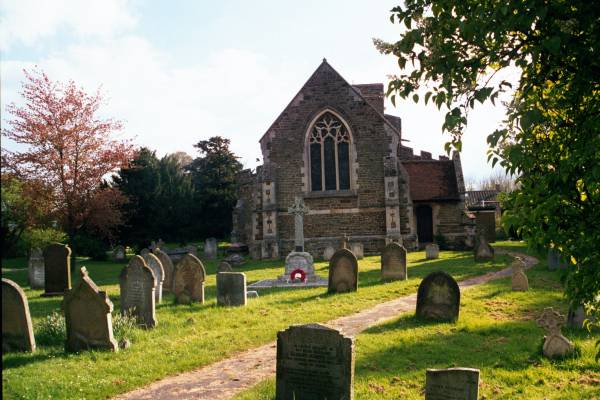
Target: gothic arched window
[(329, 154)]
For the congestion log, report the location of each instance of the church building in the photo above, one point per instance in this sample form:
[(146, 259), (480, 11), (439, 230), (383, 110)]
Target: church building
[(334, 147)]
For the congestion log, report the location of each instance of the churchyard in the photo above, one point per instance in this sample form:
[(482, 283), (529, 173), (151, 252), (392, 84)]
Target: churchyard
[(496, 332)]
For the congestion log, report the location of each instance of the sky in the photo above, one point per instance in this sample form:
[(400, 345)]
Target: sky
[(177, 72)]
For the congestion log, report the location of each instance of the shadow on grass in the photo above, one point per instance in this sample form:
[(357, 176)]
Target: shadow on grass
[(16, 360)]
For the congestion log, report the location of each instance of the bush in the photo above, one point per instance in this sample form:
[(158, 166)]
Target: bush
[(39, 237), (89, 246), (123, 325), (52, 330)]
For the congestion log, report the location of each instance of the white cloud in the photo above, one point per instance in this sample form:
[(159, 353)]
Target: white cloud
[(26, 22)]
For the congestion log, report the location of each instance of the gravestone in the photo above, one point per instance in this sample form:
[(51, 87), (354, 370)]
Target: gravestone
[(251, 294), (520, 283), (438, 297), (432, 251), (224, 267), (328, 253), (138, 285), (159, 273), (119, 254), (168, 269), (555, 344), (452, 384), (483, 251), (358, 250), (231, 289), (210, 248), (235, 260), (35, 268), (144, 252), (314, 362), (188, 282), (17, 331), (343, 272), (393, 262), (88, 317), (555, 260), (57, 269)]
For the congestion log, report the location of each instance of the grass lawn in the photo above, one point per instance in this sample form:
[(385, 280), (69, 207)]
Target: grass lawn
[(496, 333), (188, 337)]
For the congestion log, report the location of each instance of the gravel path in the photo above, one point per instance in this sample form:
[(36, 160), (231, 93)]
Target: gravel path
[(225, 378)]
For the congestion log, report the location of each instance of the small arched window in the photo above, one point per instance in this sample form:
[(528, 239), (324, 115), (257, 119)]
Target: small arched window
[(329, 154)]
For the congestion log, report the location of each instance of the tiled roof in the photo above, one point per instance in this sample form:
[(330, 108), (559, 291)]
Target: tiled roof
[(432, 180), (480, 197)]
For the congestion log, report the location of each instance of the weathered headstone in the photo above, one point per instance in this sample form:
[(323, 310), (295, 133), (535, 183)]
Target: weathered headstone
[(438, 297), (138, 285), (343, 272), (231, 289), (358, 250), (119, 254), (188, 282), (235, 260), (393, 262), (159, 273), (35, 268), (452, 384), (210, 248), (556, 260), (520, 283), (328, 253), (432, 251), (168, 269), (88, 317), (224, 267), (483, 251), (555, 344), (314, 362), (17, 331), (145, 251), (57, 269), (251, 294)]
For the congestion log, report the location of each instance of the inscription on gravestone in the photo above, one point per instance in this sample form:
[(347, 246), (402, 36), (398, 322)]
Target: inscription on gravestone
[(452, 384), (438, 297), (138, 284), (314, 362), (393, 262)]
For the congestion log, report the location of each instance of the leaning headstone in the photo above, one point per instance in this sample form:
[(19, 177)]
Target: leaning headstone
[(314, 362), (138, 285), (88, 317), (483, 251), (251, 294), (555, 344), (555, 260), (119, 254), (358, 250), (432, 251), (231, 289), (168, 269), (188, 282), (17, 331), (159, 273), (224, 267), (57, 269), (520, 283), (343, 272), (328, 253), (452, 384), (35, 268), (210, 248), (393, 262), (438, 297)]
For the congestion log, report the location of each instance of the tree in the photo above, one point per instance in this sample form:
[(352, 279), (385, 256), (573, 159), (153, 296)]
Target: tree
[(67, 148), (550, 137), (214, 181)]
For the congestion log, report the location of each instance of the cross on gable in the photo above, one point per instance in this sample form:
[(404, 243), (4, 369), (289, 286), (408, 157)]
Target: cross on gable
[(551, 321)]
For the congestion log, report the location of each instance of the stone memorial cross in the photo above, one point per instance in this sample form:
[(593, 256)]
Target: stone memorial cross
[(298, 210), (555, 344)]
